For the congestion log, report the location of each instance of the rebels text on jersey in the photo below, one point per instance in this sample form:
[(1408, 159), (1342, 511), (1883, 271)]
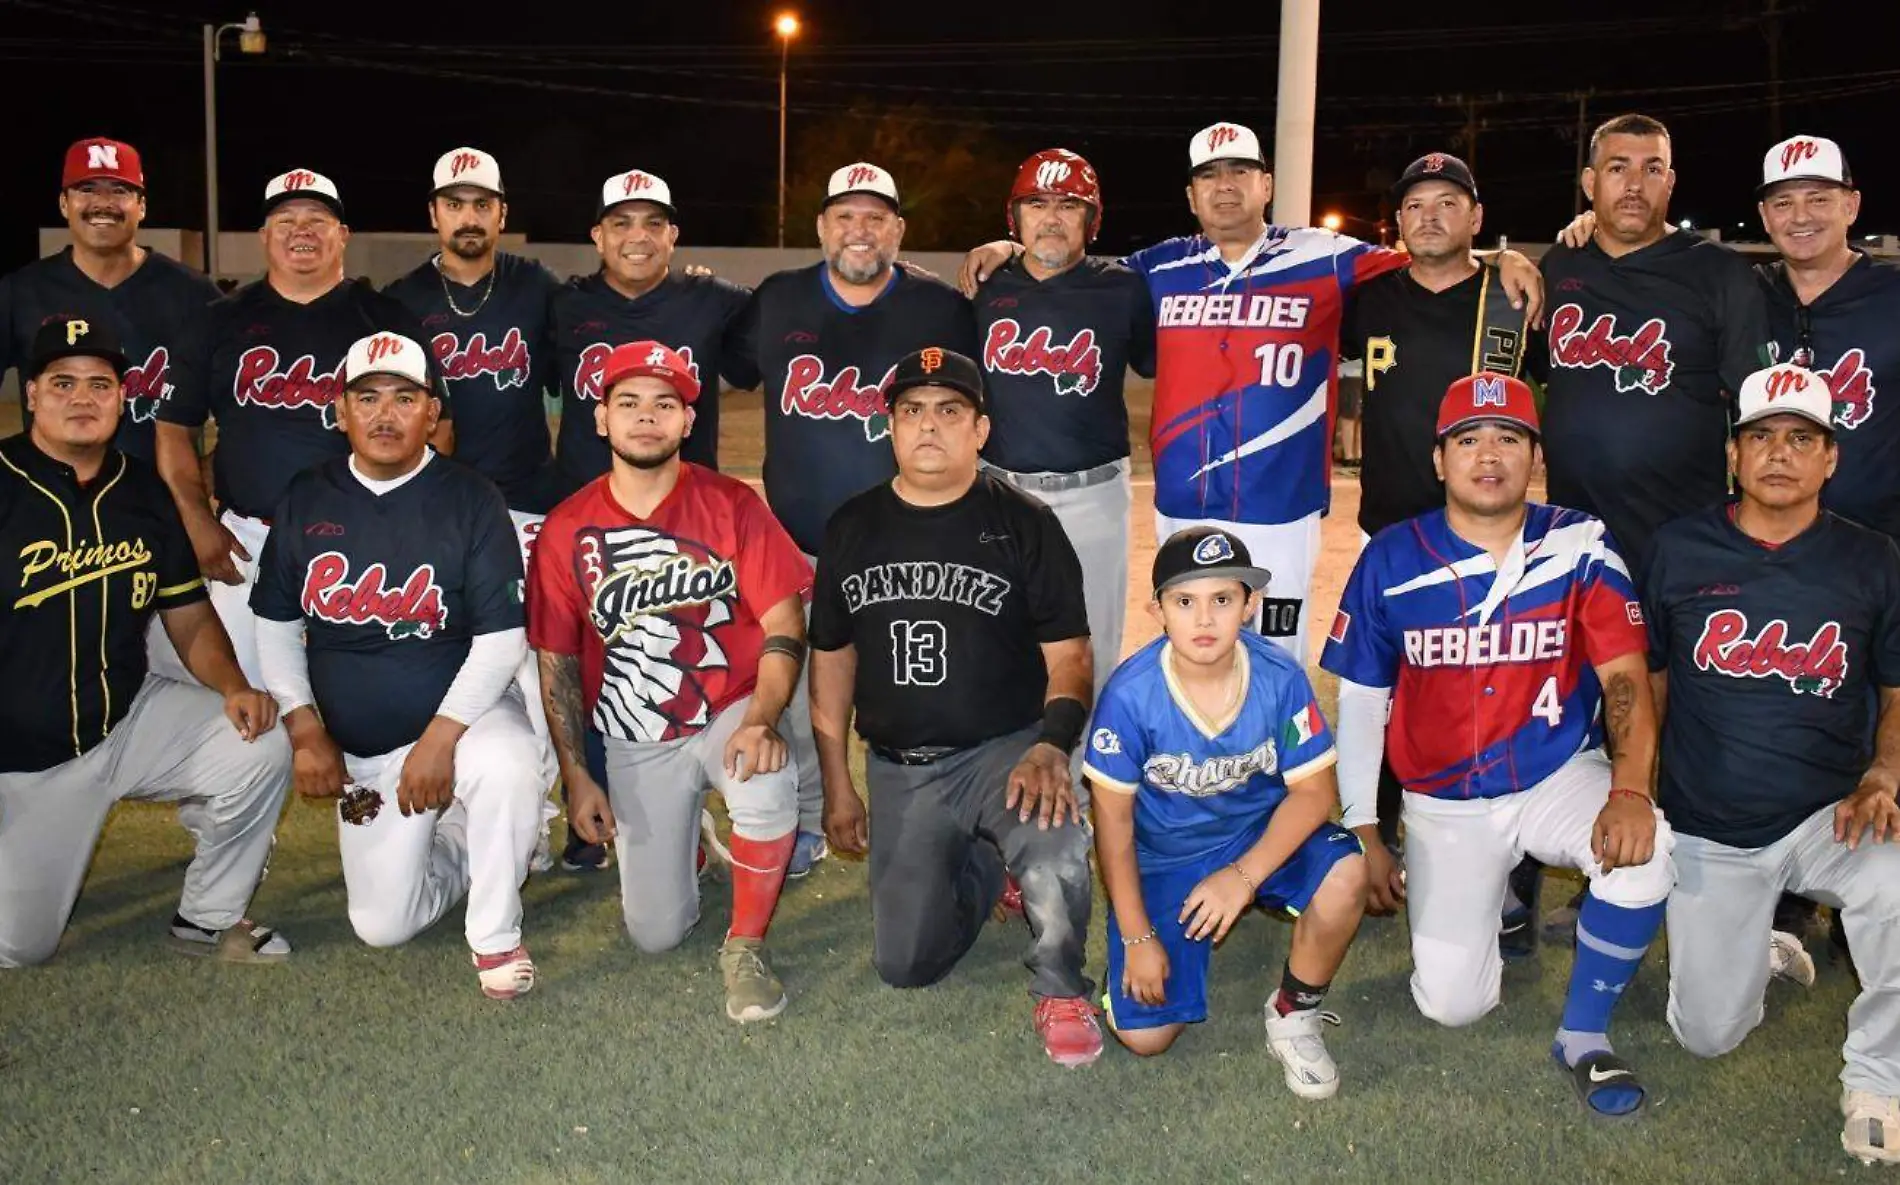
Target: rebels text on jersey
[(1245, 377), (148, 310), (270, 370), (824, 364), (1644, 352), (1774, 656), (1055, 355), (1492, 669), (1197, 782), (664, 612), (392, 588), (692, 314), (1852, 336), (496, 363)]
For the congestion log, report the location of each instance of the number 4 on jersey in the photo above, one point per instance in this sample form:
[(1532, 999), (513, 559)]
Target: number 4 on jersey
[(1549, 706)]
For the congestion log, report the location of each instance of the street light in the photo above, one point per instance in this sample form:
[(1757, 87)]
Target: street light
[(251, 41), (1332, 221), (786, 26)]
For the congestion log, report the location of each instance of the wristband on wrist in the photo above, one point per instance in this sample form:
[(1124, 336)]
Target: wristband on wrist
[(1150, 936), (1063, 720), (1647, 801)]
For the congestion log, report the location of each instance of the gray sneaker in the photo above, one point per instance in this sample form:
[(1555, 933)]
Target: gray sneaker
[(753, 993), (1296, 1042)]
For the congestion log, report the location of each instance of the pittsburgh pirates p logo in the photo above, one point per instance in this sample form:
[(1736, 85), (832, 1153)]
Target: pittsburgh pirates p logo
[(1382, 354), (76, 330)]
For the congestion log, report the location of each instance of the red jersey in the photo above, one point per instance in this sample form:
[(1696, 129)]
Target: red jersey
[(663, 611)]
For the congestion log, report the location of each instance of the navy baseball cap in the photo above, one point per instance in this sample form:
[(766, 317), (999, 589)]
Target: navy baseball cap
[(1435, 166), (75, 337), (935, 366), (1205, 553)]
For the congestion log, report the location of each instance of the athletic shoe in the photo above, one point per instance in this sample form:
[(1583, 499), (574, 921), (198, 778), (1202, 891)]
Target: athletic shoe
[(1517, 929), (807, 851), (1296, 1043), (1872, 1129), (1070, 1034), (506, 975), (543, 858), (713, 858), (752, 991), (1789, 960), (581, 856), (246, 942)]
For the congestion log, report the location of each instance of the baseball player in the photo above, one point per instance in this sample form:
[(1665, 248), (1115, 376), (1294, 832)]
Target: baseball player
[(1213, 772), (948, 616), (104, 278), (1774, 629), (1060, 332), (266, 362), (390, 628), (1507, 641), (824, 340), (91, 549), (667, 610)]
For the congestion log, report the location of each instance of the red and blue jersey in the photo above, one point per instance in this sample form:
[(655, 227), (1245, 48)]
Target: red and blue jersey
[(1492, 666), (1244, 389)]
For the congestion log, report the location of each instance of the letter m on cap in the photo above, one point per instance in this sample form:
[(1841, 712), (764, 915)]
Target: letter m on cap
[(102, 156), (463, 162), (382, 346), (1488, 393)]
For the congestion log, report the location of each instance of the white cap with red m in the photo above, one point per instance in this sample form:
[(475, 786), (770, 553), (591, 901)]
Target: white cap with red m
[(1785, 389), (635, 185), (1225, 141), (1805, 158), (468, 166), (861, 177)]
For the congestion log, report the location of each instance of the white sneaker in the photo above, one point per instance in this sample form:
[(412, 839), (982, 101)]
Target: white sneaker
[(1788, 959), (1872, 1130), (1295, 1042)]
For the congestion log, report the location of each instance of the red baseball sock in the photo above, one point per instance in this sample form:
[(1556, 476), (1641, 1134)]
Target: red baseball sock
[(758, 872)]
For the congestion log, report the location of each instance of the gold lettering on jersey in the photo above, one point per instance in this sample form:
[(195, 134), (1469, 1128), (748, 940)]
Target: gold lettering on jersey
[(1382, 354), (79, 565), (1501, 349), (1486, 645), (144, 585)]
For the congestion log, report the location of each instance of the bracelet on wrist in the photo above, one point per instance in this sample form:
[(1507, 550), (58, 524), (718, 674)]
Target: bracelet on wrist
[(1646, 800), (1150, 936), (1252, 887)]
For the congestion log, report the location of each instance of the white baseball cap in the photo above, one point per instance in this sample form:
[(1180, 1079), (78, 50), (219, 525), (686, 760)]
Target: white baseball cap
[(386, 353), (468, 166), (1225, 141), (302, 185), (634, 185), (1785, 389), (1805, 158), (861, 177)]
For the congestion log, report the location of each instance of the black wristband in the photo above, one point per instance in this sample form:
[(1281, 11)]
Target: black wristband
[(1062, 723), (792, 648)]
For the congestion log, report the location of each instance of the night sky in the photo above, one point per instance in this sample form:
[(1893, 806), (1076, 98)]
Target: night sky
[(566, 95)]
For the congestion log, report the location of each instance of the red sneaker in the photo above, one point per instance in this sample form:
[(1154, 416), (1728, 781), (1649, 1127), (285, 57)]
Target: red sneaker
[(506, 975), (1070, 1035)]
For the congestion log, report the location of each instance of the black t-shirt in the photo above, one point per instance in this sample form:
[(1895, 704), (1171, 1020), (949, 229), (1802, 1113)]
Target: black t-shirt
[(494, 342), (1416, 343), (78, 598), (1853, 333), (1774, 659), (1645, 353), (948, 607), (392, 587), (148, 311), (1056, 353), (692, 314), (824, 365), (269, 370)]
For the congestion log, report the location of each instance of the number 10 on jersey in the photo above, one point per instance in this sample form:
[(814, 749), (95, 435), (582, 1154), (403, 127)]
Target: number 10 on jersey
[(1281, 363)]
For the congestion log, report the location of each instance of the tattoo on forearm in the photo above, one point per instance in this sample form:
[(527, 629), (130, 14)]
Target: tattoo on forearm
[(561, 676), (1619, 710)]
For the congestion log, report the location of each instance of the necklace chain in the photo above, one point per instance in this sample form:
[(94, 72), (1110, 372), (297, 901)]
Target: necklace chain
[(449, 295)]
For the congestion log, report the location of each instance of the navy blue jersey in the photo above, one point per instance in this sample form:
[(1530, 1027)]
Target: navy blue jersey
[(148, 310), (1055, 355), (392, 589), (1645, 353), (692, 314), (270, 370), (494, 342), (824, 365), (1774, 656), (1852, 337)]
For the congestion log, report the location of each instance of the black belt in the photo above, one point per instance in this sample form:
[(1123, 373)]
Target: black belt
[(921, 755)]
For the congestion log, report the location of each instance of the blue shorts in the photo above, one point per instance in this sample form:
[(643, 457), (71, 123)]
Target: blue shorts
[(1291, 888)]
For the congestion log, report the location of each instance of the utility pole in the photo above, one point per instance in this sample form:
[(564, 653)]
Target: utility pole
[(1771, 30), (1468, 138), (1583, 149), (1294, 113)]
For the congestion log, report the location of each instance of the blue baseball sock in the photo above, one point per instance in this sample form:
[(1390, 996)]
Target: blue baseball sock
[(1611, 940)]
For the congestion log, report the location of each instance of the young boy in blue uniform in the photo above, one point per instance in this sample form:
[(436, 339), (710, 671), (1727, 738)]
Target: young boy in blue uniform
[(1214, 786)]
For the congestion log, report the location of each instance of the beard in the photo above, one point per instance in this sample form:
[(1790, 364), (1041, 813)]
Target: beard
[(649, 460), (855, 271), (1051, 252), (469, 246)]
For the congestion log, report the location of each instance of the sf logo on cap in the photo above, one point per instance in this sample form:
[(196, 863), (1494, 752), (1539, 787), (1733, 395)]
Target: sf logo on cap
[(656, 356), (1213, 550), (1221, 134), (1785, 382), (76, 330), (1488, 393), (382, 346), (1435, 162), (932, 359)]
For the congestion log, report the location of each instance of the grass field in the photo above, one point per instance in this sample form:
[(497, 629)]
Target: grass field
[(122, 1063)]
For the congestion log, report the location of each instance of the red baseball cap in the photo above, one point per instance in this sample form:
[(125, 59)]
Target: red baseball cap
[(652, 359), (1487, 396), (102, 159)]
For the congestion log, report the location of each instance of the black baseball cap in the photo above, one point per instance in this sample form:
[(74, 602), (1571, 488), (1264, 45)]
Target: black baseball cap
[(75, 337), (1435, 166), (1205, 553), (935, 366)]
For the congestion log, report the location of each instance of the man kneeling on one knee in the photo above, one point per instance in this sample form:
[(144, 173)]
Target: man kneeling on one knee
[(390, 629)]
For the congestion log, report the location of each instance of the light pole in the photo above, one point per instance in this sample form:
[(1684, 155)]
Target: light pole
[(251, 41), (786, 26)]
